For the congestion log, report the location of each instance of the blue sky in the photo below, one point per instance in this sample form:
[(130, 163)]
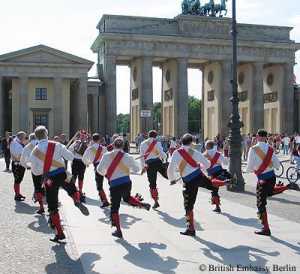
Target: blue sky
[(70, 25)]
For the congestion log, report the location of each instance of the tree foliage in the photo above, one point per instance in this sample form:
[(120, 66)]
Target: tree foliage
[(194, 117), (123, 121), (194, 110)]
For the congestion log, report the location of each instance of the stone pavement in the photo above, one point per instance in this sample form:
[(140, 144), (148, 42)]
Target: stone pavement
[(152, 243)]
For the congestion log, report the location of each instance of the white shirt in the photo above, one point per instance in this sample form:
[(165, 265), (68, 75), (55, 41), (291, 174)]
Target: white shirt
[(158, 147), (221, 161), (297, 139), (173, 144), (254, 162), (60, 153), (90, 153), (25, 157), (72, 149), (286, 141), (177, 158), (127, 160), (16, 149)]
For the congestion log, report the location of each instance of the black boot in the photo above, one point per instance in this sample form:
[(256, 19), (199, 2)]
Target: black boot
[(217, 209), (156, 205), (146, 206), (84, 210), (58, 238), (105, 204), (189, 233), (264, 232), (118, 234), (19, 198)]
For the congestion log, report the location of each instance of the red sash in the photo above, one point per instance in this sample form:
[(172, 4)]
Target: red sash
[(215, 159), (188, 158), (266, 162), (114, 164), (149, 149), (98, 154), (49, 157)]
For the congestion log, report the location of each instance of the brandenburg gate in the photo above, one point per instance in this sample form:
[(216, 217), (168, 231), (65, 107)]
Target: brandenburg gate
[(266, 57)]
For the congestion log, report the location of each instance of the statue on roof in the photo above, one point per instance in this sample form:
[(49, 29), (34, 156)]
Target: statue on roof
[(193, 7)]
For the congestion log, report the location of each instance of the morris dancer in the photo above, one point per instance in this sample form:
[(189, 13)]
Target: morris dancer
[(78, 167), (116, 166), (173, 146), (262, 161), (152, 157), (216, 171), (47, 160), (94, 154), (189, 162), (16, 149), (37, 179)]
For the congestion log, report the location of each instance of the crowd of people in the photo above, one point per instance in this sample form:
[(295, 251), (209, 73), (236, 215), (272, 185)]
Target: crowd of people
[(197, 164)]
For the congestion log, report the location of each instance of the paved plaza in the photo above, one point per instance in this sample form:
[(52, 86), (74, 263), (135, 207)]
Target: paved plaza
[(152, 243)]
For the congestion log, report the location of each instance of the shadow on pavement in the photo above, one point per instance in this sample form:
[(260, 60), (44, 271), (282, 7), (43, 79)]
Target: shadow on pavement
[(249, 222), (125, 219), (287, 244), (241, 254), (24, 208), (274, 198), (180, 223), (40, 225), (66, 265), (144, 257), (92, 202)]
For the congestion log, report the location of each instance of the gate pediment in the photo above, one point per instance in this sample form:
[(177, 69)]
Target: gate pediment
[(42, 55)]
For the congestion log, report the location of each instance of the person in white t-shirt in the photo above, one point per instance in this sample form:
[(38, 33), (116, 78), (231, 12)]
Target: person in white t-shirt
[(286, 142)]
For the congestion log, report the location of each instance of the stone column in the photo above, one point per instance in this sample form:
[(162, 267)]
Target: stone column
[(182, 97), (286, 100), (58, 105), (202, 68), (82, 102), (224, 103), (146, 93), (1, 107), (23, 110), (108, 64), (256, 99)]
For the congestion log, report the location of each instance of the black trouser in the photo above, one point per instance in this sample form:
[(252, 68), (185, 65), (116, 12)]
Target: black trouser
[(263, 191), (18, 172), (98, 178), (37, 183), (7, 159), (190, 190), (78, 169), (117, 193), (52, 190), (153, 168)]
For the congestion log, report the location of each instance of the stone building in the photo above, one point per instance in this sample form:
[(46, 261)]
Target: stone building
[(266, 57), (42, 85)]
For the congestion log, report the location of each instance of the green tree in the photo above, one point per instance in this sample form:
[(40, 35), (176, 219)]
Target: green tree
[(194, 115), (157, 115), (123, 121)]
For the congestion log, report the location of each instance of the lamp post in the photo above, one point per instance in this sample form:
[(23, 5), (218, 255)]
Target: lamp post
[(235, 138)]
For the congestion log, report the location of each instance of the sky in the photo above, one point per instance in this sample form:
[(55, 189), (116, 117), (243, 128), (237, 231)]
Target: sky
[(70, 25)]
